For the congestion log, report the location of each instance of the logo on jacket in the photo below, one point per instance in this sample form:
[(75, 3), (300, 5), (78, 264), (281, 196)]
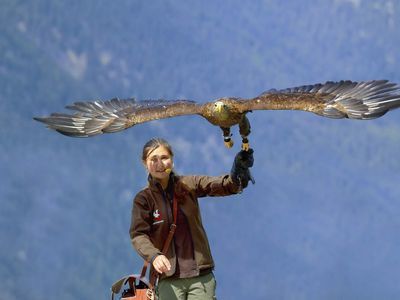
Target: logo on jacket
[(157, 215)]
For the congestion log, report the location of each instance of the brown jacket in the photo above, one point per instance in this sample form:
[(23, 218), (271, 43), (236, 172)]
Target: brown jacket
[(152, 216)]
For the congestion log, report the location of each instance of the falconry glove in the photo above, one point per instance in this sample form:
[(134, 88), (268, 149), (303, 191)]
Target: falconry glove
[(240, 172)]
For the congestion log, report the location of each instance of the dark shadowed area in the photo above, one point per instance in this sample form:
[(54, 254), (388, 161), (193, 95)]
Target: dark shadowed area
[(320, 223)]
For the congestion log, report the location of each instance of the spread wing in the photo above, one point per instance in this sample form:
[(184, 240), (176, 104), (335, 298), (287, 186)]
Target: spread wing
[(344, 99), (97, 117)]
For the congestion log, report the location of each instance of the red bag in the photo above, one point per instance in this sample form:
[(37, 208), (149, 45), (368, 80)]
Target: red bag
[(139, 288)]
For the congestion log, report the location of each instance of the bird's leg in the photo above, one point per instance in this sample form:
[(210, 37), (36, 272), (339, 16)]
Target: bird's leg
[(228, 142), (245, 144), (244, 129)]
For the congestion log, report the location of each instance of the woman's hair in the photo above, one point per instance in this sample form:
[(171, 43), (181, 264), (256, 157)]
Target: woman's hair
[(153, 144)]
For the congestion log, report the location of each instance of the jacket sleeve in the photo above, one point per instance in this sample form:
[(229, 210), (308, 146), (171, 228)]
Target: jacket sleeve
[(140, 229), (213, 185)]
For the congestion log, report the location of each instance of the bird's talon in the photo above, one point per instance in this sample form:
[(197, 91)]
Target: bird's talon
[(228, 144), (245, 146)]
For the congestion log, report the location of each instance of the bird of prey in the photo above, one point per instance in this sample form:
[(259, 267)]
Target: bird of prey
[(344, 99)]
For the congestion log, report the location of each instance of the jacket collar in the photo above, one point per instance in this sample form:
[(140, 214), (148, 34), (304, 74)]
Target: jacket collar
[(155, 186)]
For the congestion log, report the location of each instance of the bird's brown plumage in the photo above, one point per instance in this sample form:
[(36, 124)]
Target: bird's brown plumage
[(344, 99)]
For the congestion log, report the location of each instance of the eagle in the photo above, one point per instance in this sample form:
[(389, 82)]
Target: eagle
[(342, 99)]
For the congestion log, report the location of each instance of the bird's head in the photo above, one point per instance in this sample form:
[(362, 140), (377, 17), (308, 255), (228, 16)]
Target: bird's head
[(221, 110)]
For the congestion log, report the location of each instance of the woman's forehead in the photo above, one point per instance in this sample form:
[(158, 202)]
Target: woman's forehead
[(159, 151)]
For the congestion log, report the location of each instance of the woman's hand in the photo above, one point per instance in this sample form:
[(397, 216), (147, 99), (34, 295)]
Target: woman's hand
[(161, 264)]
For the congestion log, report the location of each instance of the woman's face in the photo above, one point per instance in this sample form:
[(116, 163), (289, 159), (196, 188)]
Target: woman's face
[(159, 163)]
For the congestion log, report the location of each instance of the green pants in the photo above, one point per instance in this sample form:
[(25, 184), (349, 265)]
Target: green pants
[(196, 288)]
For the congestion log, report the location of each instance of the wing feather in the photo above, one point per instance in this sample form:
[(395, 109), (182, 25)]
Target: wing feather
[(343, 99), (97, 117)]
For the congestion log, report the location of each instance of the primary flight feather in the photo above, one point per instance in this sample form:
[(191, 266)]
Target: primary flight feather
[(343, 99)]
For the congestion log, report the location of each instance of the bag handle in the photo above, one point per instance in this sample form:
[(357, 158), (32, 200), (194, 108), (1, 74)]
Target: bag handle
[(167, 242), (131, 279)]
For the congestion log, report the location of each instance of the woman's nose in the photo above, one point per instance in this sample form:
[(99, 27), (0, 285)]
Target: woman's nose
[(159, 164)]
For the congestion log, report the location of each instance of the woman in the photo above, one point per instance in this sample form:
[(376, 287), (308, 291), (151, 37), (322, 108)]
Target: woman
[(186, 268)]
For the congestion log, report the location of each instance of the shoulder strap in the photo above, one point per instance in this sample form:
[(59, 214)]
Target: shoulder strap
[(172, 227), (167, 242)]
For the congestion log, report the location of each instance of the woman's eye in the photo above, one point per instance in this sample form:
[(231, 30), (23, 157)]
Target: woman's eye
[(156, 159)]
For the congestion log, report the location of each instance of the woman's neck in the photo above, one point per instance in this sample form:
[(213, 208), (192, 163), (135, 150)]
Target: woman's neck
[(164, 183)]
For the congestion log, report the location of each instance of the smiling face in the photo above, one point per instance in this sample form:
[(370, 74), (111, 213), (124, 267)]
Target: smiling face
[(159, 164)]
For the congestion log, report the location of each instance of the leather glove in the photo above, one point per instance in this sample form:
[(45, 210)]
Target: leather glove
[(240, 172)]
